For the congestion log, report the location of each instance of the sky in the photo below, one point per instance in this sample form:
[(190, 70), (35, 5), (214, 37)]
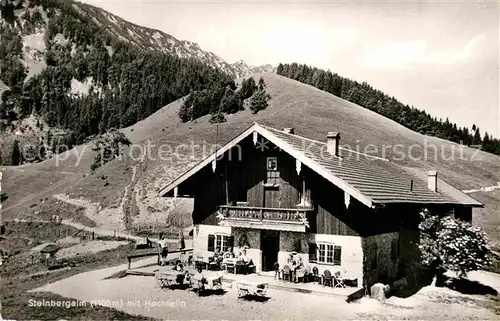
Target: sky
[(440, 56)]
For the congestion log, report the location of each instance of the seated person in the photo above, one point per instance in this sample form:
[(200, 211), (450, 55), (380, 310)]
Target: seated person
[(179, 267), (229, 254), (300, 269), (245, 257)]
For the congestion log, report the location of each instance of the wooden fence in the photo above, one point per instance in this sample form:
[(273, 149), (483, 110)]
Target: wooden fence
[(153, 253)]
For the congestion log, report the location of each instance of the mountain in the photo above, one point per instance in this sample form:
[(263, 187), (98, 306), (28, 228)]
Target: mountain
[(263, 69), (142, 37), (77, 71), (153, 39), (123, 193)]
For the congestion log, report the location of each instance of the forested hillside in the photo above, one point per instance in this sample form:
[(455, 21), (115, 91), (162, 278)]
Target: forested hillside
[(365, 95), (90, 81), (224, 98)]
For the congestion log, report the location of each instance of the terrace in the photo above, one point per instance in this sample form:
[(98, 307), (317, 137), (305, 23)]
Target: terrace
[(265, 277)]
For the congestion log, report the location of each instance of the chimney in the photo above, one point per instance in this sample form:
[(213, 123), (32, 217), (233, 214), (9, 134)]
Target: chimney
[(332, 143), (289, 130), (432, 180)]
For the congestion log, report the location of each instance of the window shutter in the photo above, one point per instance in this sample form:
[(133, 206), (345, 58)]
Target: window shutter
[(230, 242), (313, 252), (337, 254), (211, 243)]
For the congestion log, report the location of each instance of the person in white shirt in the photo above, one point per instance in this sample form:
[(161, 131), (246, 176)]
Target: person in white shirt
[(163, 251)]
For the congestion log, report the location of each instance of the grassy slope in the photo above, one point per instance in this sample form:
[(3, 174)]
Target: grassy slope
[(489, 216), (310, 111), (19, 275)]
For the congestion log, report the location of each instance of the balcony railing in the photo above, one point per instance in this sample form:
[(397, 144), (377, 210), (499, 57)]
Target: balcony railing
[(289, 215)]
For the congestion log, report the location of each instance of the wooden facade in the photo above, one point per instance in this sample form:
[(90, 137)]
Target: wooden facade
[(260, 187)]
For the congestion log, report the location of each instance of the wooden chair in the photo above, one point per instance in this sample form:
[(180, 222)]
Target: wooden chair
[(309, 275), (339, 280), (217, 283), (276, 268), (287, 273), (327, 278), (315, 275), (161, 280)]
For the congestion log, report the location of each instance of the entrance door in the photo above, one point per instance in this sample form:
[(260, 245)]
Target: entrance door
[(270, 246)]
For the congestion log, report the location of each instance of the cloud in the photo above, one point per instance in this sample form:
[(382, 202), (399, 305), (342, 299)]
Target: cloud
[(396, 54), (405, 55), (478, 45)]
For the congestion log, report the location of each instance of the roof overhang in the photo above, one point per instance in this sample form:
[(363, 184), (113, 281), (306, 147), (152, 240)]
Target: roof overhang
[(299, 155)]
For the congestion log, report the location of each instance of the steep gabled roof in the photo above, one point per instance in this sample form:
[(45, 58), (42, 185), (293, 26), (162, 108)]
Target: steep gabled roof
[(371, 180)]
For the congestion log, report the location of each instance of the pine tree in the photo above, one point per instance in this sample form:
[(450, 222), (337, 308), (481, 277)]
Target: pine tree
[(258, 101), (247, 88), (262, 84), (477, 137), (279, 70)]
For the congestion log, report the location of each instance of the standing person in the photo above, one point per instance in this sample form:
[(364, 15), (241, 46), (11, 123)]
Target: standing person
[(163, 251), (291, 263)]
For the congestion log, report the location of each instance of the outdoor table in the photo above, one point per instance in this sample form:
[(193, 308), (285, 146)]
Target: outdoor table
[(174, 275), (254, 288), (212, 282), (229, 263)]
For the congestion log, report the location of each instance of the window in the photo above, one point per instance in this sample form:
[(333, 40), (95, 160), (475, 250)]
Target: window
[(272, 164), (329, 254), (273, 175), (219, 242)]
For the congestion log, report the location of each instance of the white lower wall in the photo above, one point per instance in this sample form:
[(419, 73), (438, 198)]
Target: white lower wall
[(200, 238), (351, 258)]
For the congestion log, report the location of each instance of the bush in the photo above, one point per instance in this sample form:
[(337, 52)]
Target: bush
[(447, 243), (108, 147), (217, 118), (258, 101)]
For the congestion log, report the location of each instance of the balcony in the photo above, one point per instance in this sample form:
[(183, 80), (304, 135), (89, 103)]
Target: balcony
[(284, 219)]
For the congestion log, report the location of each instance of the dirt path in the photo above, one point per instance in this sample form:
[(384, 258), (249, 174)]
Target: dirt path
[(96, 230), (106, 232), (128, 198), (138, 295), (483, 189), (107, 218)]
